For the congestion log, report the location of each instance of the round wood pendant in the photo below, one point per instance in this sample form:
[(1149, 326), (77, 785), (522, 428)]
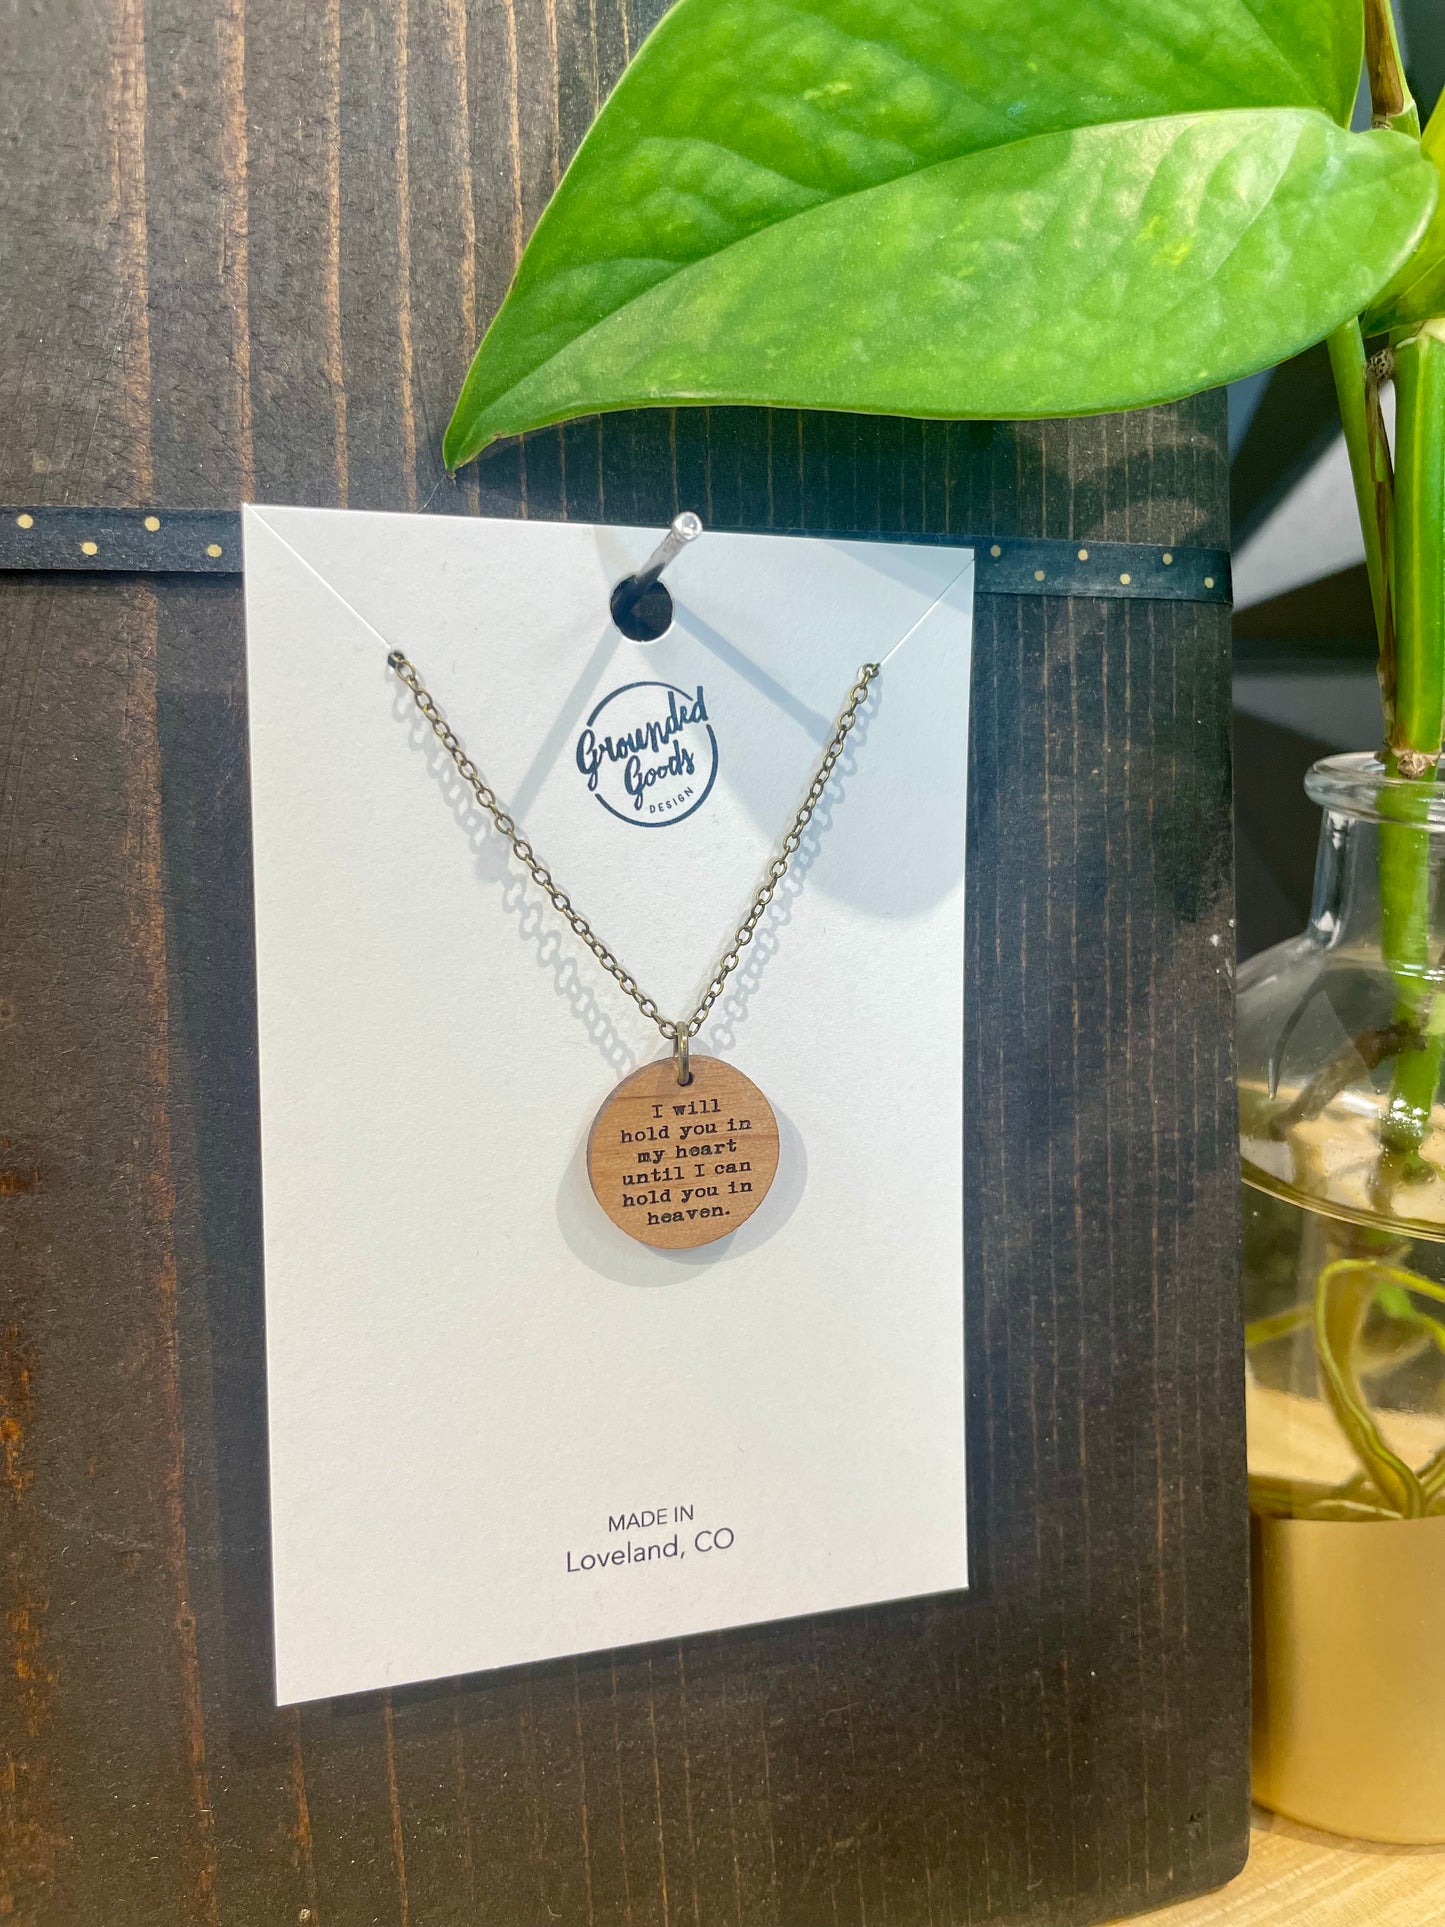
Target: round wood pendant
[(677, 1165)]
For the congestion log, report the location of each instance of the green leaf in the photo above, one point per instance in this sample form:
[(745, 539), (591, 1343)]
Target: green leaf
[(1097, 268), (739, 116), (1417, 292)]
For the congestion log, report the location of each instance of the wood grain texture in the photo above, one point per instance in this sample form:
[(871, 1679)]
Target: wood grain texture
[(1296, 1875), (247, 246)]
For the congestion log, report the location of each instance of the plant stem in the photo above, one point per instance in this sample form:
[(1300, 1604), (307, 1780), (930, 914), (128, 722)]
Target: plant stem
[(1413, 733), (1412, 1098), (1278, 1324), (1391, 102), (1419, 573), (1402, 519), (1358, 392)]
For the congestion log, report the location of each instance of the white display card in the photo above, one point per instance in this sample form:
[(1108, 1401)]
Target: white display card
[(501, 1430)]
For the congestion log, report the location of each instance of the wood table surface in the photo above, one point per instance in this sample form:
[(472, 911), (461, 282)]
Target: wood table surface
[(1299, 1878)]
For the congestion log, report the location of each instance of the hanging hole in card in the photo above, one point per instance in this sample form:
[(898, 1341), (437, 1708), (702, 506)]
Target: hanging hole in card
[(641, 605), (645, 617)]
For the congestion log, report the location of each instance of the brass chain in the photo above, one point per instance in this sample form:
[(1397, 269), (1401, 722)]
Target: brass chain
[(677, 1031)]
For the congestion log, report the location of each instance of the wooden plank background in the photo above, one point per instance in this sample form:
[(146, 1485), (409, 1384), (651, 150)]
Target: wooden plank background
[(247, 247)]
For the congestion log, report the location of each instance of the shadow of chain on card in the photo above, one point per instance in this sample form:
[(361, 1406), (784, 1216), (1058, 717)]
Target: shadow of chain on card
[(732, 1006), (537, 923)]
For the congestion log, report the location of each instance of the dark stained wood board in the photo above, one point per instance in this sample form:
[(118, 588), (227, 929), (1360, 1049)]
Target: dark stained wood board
[(247, 247)]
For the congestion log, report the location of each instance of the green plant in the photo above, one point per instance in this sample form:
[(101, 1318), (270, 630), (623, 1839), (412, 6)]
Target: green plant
[(1020, 208), (1005, 208), (959, 208)]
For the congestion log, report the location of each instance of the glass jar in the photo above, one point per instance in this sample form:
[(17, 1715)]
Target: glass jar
[(1342, 1137)]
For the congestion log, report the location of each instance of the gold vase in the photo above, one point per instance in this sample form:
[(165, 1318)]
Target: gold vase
[(1349, 1692)]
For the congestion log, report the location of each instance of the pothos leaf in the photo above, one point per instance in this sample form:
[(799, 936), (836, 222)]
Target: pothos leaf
[(1072, 273), (1004, 207), (1417, 292)]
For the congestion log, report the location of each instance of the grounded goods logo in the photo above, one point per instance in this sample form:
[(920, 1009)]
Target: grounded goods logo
[(648, 753)]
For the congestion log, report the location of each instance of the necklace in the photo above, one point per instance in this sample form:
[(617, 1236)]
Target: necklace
[(685, 1149)]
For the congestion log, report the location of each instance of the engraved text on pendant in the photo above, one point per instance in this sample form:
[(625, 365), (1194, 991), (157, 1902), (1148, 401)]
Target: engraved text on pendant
[(677, 1165)]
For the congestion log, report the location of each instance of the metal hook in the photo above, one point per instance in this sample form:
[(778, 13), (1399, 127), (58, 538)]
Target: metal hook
[(680, 1055), (637, 611), (684, 528)]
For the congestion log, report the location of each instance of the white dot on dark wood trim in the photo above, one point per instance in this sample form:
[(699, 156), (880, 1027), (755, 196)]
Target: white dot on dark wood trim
[(1209, 582), (1126, 577), (153, 522), (25, 521), (213, 548), (1083, 555), (88, 548)]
